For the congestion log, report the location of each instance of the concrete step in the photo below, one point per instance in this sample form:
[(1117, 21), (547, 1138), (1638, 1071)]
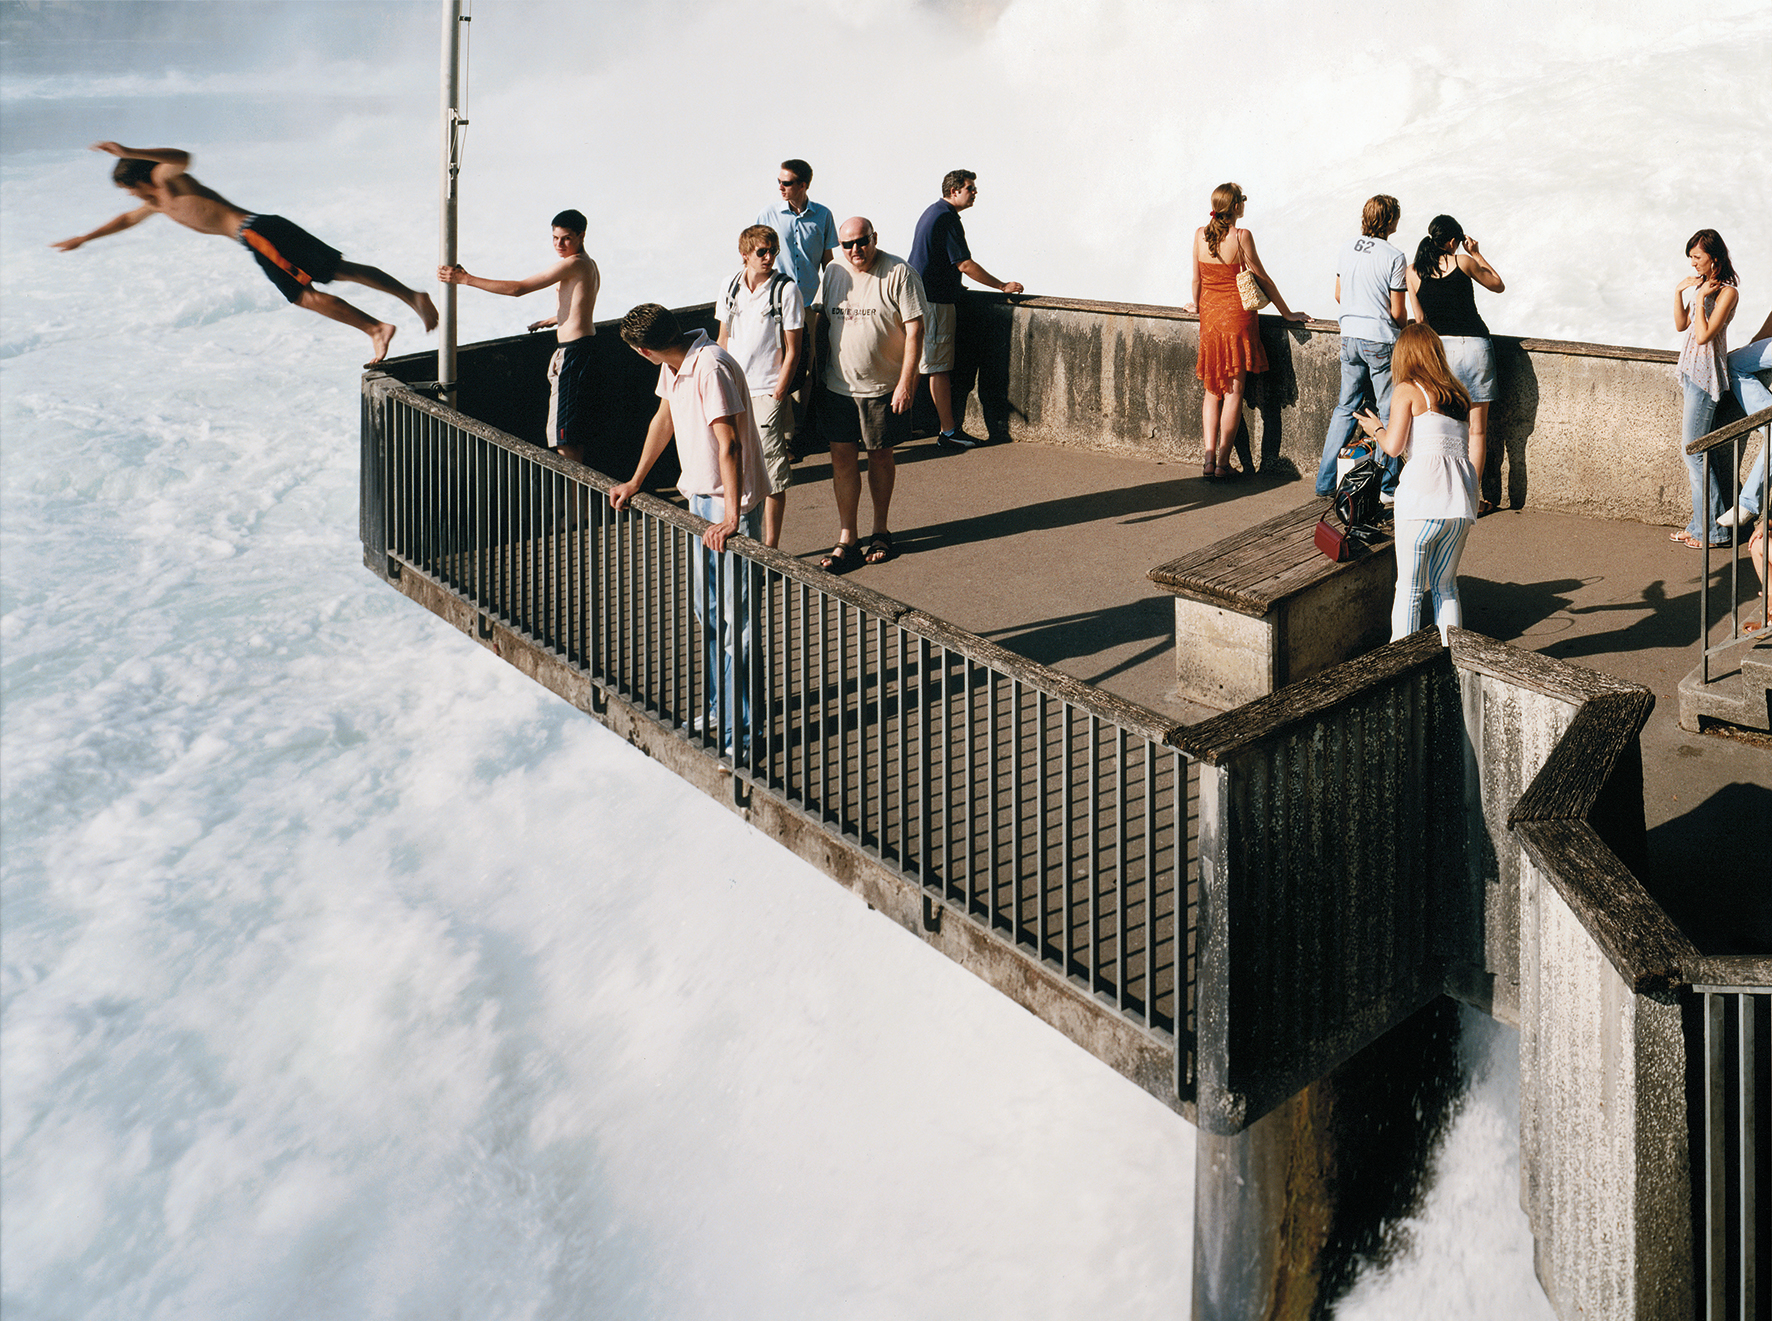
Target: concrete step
[(1739, 693)]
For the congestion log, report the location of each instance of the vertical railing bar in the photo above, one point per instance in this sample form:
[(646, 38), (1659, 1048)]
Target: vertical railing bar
[(993, 908), (476, 570), (1040, 849), (842, 715), (971, 787), (1017, 922), (1748, 1159), (1179, 910), (769, 673), (539, 506), (922, 759), (1150, 883), (824, 705), (1093, 789), (1734, 552), (1069, 842), (652, 532), (947, 778), (901, 848), (803, 744), (1120, 868), (1704, 586), (857, 743), (1715, 1247)]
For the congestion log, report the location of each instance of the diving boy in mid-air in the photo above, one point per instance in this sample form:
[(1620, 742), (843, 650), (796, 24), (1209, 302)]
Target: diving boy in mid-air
[(294, 259)]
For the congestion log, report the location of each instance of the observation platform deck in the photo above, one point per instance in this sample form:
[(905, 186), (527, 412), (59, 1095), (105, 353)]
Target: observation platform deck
[(983, 740)]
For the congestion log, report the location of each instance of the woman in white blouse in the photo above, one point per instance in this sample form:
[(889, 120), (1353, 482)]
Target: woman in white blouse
[(1703, 303), (1437, 493)]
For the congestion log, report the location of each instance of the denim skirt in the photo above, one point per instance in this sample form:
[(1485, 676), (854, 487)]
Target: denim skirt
[(1472, 360)]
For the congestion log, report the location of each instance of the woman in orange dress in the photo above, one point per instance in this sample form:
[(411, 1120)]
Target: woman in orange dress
[(1230, 348)]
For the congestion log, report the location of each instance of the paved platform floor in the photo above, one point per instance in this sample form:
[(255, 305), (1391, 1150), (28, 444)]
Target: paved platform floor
[(1044, 550)]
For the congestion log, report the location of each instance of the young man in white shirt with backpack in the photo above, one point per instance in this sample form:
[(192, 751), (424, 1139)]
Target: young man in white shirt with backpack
[(762, 324)]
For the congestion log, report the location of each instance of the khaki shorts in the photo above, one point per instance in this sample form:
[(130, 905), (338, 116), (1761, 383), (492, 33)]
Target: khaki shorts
[(775, 423), (938, 339)]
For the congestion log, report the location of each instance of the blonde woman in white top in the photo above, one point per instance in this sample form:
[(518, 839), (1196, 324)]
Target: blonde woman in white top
[(1703, 303), (1437, 493)]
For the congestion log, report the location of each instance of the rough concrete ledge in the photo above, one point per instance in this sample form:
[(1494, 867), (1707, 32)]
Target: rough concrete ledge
[(1215, 740), (1146, 1058), (1530, 669), (1644, 947)]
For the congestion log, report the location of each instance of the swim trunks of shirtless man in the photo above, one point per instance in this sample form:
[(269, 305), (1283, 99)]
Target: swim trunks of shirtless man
[(294, 260)]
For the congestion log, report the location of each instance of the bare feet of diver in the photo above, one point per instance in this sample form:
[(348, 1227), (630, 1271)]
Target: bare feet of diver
[(381, 336), (426, 309)]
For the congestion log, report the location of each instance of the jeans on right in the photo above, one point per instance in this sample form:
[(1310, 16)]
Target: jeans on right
[(1365, 374), (1752, 396), (1707, 497)]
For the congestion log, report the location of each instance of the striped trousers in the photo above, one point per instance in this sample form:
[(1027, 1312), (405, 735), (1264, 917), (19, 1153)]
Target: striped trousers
[(1428, 550)]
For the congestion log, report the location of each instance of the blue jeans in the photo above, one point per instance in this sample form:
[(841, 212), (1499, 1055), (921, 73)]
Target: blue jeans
[(1707, 504), (1752, 396), (725, 617), (1365, 374)]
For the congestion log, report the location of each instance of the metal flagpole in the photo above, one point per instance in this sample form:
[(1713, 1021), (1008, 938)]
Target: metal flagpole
[(452, 124)]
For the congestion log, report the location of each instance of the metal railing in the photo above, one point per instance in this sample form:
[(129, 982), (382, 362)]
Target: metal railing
[(1734, 1240), (1733, 435), (1049, 813)]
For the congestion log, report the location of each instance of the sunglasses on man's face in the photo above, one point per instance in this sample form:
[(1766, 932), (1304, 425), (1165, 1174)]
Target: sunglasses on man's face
[(787, 183), (858, 243)]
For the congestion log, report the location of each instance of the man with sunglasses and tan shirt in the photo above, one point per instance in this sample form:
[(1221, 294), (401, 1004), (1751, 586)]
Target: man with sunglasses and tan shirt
[(875, 305)]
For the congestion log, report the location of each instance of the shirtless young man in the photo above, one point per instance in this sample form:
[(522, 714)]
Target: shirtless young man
[(569, 372), (293, 258)]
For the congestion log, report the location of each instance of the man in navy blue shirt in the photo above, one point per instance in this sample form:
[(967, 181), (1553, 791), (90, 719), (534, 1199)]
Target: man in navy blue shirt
[(939, 254)]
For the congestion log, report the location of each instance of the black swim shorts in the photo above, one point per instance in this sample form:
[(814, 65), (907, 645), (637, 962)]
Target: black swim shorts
[(289, 256), (571, 406)]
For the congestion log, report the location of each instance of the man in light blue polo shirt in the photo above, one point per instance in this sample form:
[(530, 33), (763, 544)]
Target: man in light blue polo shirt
[(1369, 286), (808, 230)]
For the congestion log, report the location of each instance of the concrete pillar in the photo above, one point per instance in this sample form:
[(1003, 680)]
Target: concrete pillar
[(1289, 1211)]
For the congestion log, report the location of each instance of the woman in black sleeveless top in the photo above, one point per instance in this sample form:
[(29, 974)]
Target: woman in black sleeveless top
[(1440, 288)]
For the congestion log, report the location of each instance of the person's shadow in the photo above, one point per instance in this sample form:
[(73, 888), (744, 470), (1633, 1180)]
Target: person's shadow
[(1512, 419)]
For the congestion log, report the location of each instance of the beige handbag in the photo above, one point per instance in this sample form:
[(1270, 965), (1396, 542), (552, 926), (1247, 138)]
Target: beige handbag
[(1250, 291)]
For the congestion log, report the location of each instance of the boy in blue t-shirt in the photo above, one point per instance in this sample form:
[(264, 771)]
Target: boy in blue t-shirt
[(1369, 287)]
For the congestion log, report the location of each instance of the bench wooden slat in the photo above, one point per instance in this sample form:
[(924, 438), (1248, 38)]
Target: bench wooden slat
[(1253, 570)]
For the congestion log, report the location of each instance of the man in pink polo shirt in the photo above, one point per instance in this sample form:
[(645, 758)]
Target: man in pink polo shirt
[(705, 405)]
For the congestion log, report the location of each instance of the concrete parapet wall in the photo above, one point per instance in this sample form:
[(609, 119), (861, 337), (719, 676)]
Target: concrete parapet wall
[(1510, 731), (1605, 1170), (1581, 428), (1329, 814), (1518, 708)]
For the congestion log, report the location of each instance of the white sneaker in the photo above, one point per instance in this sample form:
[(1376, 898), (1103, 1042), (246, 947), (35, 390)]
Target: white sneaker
[(1729, 519)]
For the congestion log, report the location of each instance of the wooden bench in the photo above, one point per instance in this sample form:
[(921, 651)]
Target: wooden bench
[(1266, 608)]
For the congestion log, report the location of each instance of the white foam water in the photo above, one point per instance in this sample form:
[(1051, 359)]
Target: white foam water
[(349, 974)]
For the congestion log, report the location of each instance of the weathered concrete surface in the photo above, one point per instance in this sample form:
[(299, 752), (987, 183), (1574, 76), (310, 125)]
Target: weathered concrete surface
[(1328, 816), (1604, 1164), (1580, 429), (1511, 729)]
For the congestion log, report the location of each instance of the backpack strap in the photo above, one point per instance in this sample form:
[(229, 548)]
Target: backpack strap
[(777, 283)]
